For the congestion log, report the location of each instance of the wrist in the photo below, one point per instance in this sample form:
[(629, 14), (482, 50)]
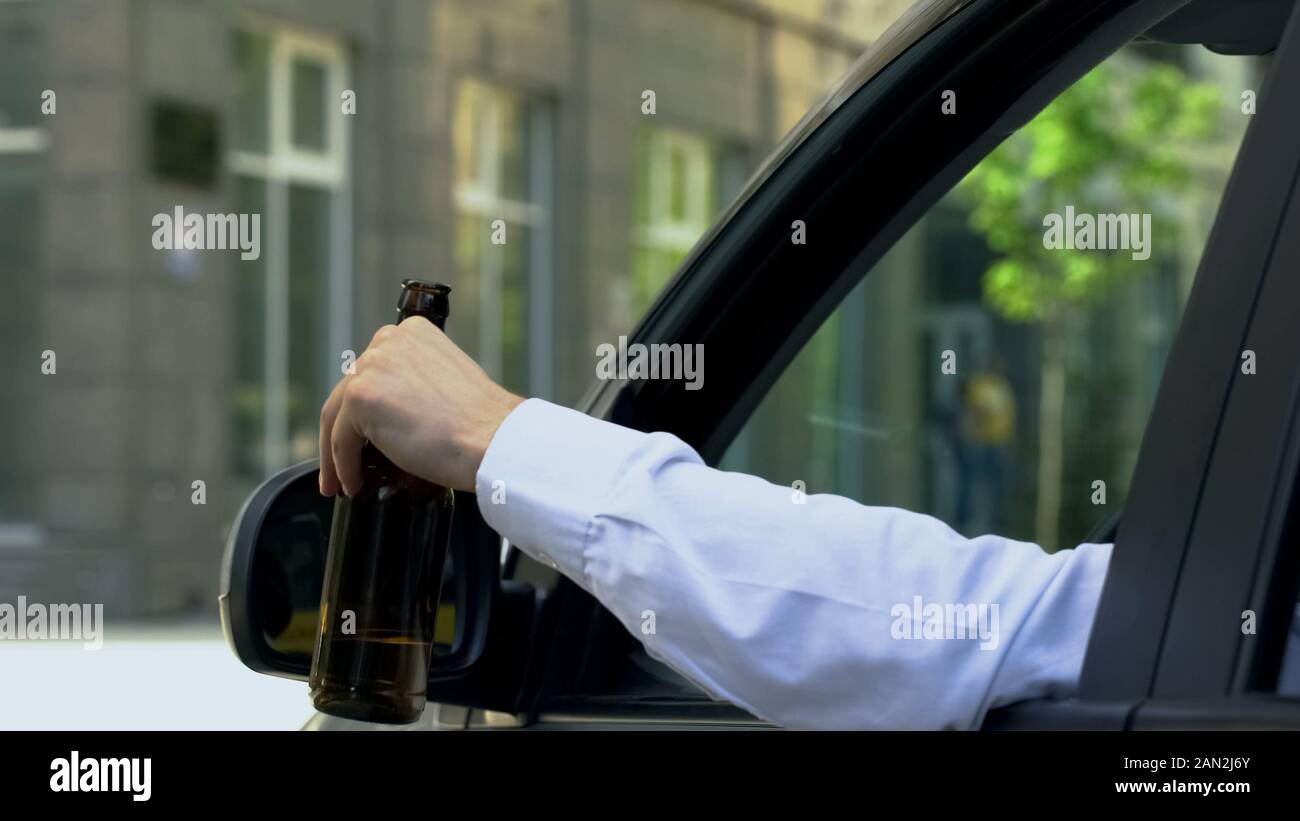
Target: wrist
[(480, 438)]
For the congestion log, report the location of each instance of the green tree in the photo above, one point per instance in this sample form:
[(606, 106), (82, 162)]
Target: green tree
[(1114, 143)]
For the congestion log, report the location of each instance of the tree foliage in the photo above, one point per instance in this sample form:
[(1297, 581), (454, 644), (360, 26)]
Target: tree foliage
[(1114, 142)]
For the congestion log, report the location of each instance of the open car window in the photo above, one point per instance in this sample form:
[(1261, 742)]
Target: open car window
[(997, 368)]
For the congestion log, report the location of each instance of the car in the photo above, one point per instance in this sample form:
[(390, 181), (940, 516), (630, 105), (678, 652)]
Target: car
[(1206, 539)]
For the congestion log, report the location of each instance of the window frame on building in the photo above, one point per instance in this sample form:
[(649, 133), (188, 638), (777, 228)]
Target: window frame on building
[(483, 198), (33, 140), (283, 165), (715, 169)]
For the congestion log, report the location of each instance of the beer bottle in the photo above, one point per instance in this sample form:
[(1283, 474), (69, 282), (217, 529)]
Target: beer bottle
[(383, 575)]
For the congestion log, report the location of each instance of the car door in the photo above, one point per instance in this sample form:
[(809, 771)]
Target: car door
[(857, 177), (1200, 599), (1219, 483)]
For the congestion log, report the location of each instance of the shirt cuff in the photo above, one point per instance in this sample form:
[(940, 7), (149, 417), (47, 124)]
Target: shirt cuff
[(546, 473)]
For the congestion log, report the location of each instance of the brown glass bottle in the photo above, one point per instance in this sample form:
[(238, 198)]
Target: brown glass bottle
[(383, 574)]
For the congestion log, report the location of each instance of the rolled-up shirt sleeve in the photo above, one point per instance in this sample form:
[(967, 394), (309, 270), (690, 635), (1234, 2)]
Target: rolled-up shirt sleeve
[(808, 611)]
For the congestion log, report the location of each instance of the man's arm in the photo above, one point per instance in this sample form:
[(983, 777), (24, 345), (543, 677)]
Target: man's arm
[(797, 612)]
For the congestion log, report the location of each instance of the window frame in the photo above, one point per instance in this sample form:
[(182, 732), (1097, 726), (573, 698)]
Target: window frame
[(32, 140), (714, 166), (283, 165), (662, 232), (482, 199), (24, 534)]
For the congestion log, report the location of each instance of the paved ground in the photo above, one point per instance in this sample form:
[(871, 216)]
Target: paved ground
[(147, 677)]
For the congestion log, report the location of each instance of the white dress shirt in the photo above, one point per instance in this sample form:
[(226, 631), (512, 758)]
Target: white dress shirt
[(807, 611)]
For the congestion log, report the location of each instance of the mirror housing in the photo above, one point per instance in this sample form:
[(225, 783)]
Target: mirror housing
[(273, 571)]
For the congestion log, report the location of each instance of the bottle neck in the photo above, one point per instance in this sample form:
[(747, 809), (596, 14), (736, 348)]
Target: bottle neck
[(426, 299)]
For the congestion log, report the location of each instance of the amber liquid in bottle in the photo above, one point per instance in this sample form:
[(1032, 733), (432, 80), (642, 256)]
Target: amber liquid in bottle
[(383, 574)]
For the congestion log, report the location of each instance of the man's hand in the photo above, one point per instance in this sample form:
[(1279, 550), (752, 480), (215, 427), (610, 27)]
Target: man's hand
[(426, 405)]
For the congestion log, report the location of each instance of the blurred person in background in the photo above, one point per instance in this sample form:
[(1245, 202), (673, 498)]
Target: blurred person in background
[(988, 426)]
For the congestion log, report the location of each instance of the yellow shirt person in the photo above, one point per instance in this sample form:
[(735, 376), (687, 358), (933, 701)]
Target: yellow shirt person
[(990, 406)]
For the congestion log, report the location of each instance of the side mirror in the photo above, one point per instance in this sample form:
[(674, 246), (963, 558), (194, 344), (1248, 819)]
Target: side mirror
[(274, 569)]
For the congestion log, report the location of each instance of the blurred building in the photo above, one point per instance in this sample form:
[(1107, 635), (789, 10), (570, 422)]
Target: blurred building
[(396, 138), (377, 141)]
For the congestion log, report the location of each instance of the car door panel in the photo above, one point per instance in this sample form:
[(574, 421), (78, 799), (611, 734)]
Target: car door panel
[(1240, 556), (1171, 496)]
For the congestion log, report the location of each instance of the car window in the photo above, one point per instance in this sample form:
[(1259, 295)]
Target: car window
[(997, 367)]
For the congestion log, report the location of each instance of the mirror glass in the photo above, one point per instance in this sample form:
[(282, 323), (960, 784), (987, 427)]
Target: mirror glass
[(288, 572)]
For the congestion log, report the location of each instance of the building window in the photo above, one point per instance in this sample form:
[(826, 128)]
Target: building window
[(23, 140), (22, 46), (681, 180), (289, 161), (502, 141)]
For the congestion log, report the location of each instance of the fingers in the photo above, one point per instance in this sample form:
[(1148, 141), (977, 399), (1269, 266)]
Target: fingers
[(346, 442), (329, 475), (419, 327), (329, 480), (384, 333)]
